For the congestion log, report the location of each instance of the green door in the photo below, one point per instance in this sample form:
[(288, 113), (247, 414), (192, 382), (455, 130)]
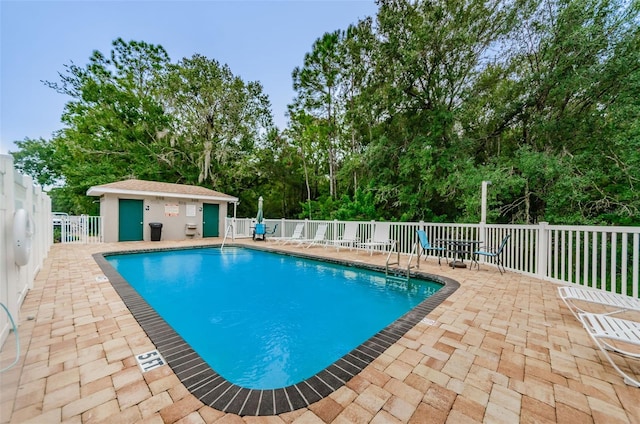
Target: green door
[(130, 218), (210, 220)]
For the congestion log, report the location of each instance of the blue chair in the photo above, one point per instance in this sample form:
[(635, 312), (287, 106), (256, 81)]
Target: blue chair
[(494, 254), (426, 246), (259, 232), (272, 232)]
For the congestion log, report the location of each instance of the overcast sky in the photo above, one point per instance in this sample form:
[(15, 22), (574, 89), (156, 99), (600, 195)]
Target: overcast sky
[(259, 40)]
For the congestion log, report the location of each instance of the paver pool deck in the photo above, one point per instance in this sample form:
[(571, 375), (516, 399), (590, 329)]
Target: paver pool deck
[(501, 349)]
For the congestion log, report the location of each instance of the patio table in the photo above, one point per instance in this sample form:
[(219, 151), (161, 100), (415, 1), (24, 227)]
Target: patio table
[(461, 248)]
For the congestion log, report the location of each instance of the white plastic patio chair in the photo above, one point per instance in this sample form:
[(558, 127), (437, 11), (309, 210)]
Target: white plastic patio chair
[(618, 302), (349, 236), (317, 239), (380, 238), (297, 235), (614, 334)]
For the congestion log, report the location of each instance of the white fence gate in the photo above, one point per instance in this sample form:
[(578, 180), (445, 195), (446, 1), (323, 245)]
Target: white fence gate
[(81, 229)]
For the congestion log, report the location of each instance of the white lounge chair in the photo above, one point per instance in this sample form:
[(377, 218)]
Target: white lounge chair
[(615, 334), (571, 296), (380, 237), (317, 239), (297, 235), (349, 236)]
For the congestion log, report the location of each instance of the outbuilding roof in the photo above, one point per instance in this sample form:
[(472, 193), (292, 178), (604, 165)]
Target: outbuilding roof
[(154, 188)]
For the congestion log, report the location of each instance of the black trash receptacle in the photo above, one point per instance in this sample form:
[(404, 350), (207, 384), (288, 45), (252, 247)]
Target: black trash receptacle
[(156, 230)]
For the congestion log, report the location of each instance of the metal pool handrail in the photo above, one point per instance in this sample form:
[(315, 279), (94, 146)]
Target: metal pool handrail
[(226, 233)]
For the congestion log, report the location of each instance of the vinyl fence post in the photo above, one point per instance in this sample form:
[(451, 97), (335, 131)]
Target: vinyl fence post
[(482, 233), (9, 272), (542, 247), (372, 229)]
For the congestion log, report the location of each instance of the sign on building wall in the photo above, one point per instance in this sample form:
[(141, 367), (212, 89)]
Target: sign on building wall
[(191, 210), (171, 209)]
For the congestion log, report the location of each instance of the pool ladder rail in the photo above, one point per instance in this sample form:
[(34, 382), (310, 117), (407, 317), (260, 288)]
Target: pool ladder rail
[(415, 251), (226, 234), (395, 273)]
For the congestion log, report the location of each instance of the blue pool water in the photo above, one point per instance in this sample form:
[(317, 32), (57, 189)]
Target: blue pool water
[(263, 320)]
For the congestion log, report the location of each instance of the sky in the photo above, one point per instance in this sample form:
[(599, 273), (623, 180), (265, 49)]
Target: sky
[(259, 40)]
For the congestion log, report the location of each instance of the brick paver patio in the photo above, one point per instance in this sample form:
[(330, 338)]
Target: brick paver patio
[(501, 349)]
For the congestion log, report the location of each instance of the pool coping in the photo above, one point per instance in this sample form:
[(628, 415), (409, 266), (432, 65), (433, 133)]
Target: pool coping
[(215, 391)]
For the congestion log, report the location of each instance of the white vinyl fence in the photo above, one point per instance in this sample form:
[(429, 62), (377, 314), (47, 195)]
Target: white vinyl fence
[(18, 192), (599, 257), (605, 258), (83, 229)]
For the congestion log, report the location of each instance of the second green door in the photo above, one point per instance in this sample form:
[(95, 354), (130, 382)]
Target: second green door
[(210, 220)]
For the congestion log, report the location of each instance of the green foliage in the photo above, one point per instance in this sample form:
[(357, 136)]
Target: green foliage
[(217, 120), (360, 207), (399, 117), (57, 234), (322, 88), (133, 114), (37, 158), (66, 199), (112, 121)]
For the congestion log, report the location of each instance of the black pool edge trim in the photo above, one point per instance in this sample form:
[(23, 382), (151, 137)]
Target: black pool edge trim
[(215, 391)]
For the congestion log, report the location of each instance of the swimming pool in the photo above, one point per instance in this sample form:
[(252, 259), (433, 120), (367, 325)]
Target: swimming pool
[(271, 323)]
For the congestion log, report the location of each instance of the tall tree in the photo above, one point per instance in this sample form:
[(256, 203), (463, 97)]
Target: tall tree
[(37, 158), (307, 134), (321, 88), (427, 56), (282, 182), (218, 120), (406, 113), (547, 111), (113, 120), (359, 117)]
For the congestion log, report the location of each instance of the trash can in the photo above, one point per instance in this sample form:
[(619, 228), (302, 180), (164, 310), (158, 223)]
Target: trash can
[(156, 230)]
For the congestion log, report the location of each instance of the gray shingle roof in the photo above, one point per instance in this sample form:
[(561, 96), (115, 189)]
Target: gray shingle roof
[(142, 187)]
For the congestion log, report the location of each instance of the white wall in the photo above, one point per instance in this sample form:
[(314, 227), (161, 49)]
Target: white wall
[(18, 191), (173, 227)]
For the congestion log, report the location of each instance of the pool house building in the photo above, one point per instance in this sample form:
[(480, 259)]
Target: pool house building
[(138, 210)]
